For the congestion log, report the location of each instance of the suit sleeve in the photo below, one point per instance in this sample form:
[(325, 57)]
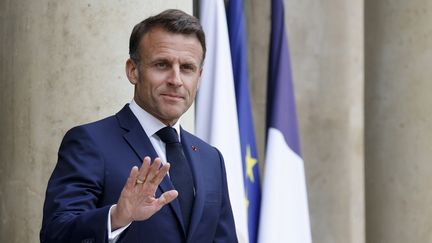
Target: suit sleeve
[(76, 184), (226, 230)]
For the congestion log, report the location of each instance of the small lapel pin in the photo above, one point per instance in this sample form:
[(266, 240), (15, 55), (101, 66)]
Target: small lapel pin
[(194, 148)]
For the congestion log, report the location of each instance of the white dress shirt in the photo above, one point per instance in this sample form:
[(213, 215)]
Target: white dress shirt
[(151, 125)]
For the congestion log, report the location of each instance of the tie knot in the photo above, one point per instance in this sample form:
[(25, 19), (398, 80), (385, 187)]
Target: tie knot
[(168, 135)]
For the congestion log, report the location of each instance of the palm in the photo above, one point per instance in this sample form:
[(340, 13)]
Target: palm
[(137, 200)]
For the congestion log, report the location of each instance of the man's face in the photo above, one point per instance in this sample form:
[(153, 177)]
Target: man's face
[(167, 75)]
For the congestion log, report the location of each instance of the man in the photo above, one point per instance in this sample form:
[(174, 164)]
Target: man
[(105, 188)]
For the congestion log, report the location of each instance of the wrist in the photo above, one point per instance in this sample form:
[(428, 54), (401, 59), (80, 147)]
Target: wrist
[(116, 220)]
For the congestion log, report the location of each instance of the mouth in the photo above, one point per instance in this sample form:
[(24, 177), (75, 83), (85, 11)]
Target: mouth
[(172, 97)]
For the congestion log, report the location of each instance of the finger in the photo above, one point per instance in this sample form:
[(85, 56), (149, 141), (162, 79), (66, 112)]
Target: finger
[(167, 197), (143, 171), (154, 168), (130, 183), (161, 173)]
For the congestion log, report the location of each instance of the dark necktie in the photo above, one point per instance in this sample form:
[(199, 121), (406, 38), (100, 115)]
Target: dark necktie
[(180, 172)]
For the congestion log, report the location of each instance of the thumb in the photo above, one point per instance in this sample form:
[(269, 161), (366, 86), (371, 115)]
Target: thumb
[(167, 197)]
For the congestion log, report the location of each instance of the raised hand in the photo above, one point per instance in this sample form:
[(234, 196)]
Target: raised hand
[(137, 200)]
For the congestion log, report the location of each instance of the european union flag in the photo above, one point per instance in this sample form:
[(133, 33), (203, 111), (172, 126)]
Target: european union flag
[(237, 36)]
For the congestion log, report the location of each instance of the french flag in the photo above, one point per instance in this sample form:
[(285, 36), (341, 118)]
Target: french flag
[(284, 206)]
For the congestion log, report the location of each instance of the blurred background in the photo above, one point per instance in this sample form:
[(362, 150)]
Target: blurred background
[(362, 76)]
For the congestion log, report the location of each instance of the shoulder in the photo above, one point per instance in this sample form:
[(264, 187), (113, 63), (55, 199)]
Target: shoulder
[(205, 149), (109, 125), (191, 138), (93, 128)]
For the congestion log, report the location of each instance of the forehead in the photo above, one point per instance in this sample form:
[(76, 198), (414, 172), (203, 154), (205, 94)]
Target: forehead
[(159, 42)]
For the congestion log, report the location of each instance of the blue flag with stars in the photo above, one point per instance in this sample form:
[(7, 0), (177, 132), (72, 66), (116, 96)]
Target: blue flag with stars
[(237, 38)]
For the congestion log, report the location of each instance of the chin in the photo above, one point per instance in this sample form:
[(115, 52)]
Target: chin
[(174, 112), (171, 116)]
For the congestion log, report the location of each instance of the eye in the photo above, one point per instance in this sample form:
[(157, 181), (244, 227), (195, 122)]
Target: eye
[(188, 67), (161, 65)]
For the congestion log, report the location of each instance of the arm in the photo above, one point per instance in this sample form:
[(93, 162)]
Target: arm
[(225, 232), (70, 211)]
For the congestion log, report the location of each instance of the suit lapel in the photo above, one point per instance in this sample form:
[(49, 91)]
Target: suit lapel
[(140, 143), (192, 153)]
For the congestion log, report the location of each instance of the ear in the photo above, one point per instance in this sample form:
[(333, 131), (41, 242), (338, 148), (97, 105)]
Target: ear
[(199, 78), (200, 72), (132, 71)]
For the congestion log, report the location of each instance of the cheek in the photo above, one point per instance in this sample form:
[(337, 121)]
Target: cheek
[(192, 93), (145, 93), (142, 88), (191, 85), (149, 86)]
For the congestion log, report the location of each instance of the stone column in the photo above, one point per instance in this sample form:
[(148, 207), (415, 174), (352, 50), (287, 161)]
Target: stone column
[(398, 121), (326, 47), (62, 64)]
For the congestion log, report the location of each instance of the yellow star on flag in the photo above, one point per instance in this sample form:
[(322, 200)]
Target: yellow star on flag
[(250, 163)]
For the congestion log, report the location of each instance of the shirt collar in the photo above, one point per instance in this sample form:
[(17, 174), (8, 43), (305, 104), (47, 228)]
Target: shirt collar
[(149, 123)]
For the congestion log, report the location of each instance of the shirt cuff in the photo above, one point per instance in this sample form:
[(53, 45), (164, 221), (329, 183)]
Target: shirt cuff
[(113, 236)]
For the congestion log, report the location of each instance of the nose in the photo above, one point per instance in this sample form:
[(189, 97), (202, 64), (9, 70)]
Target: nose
[(175, 78)]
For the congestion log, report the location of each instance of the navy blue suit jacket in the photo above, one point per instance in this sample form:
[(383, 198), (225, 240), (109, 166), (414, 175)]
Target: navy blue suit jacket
[(94, 162)]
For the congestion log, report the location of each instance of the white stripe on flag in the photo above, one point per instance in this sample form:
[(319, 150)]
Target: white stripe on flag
[(284, 210)]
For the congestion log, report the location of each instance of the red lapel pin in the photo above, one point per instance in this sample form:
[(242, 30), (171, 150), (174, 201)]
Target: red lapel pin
[(194, 148)]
